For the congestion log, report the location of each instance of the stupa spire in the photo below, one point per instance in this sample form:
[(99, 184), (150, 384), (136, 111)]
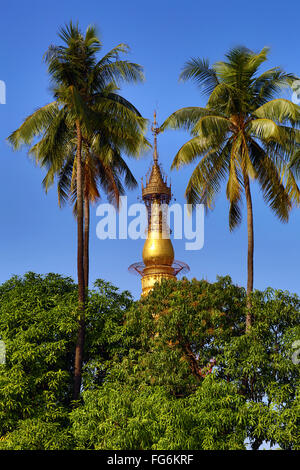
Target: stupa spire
[(158, 253), (155, 131)]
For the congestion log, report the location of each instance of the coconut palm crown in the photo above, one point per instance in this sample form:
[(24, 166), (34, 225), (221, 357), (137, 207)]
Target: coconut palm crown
[(244, 132)]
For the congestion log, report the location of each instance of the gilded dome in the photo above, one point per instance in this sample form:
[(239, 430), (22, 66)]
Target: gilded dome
[(158, 250)]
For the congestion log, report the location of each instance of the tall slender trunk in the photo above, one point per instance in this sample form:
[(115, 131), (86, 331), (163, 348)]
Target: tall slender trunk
[(86, 240), (80, 271), (250, 251)]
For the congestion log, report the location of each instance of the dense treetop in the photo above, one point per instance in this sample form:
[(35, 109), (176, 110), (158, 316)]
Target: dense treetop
[(174, 370)]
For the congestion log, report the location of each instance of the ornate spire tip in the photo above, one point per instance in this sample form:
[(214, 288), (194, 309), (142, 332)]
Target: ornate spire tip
[(155, 131)]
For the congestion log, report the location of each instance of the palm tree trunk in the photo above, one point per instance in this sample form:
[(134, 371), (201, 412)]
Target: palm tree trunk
[(86, 240), (80, 271), (250, 251)]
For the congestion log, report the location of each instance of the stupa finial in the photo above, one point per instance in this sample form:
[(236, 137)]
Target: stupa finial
[(155, 131)]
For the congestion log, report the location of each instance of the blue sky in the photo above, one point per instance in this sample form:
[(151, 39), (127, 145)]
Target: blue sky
[(37, 235)]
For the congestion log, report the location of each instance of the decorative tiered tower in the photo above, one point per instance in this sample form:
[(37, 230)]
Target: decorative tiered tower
[(158, 254)]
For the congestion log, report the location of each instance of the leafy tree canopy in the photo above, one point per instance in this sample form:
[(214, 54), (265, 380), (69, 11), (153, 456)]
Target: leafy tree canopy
[(174, 370), (38, 323)]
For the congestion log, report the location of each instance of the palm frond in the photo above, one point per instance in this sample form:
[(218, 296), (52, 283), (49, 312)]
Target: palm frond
[(185, 118), (201, 73), (205, 181), (265, 129), (113, 55), (269, 178), (269, 84), (218, 126), (235, 214), (34, 125), (196, 147), (279, 110)]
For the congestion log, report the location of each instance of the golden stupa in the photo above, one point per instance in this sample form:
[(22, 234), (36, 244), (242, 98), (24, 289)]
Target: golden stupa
[(158, 253)]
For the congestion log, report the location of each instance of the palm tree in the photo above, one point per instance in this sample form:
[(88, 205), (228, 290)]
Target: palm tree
[(103, 168), (85, 100), (121, 130), (244, 132)]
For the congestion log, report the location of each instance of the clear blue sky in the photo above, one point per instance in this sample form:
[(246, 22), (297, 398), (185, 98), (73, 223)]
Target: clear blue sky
[(37, 235)]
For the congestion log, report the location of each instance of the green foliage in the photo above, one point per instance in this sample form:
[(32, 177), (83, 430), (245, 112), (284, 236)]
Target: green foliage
[(122, 416), (192, 379), (174, 370), (37, 434), (38, 323), (178, 328)]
